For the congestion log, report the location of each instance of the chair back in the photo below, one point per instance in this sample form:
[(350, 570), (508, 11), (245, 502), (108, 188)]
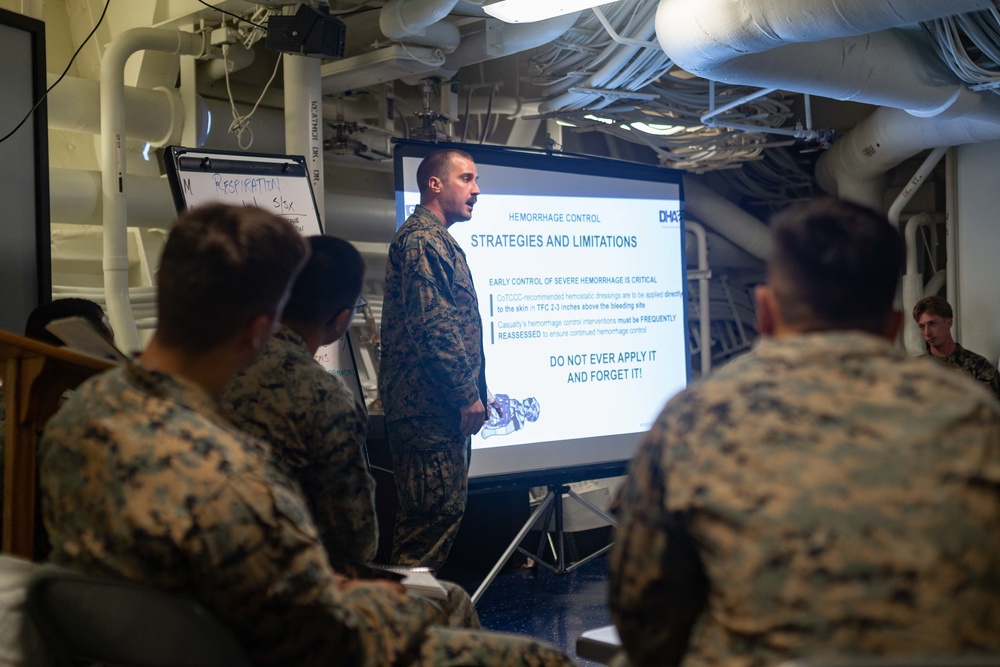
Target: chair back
[(966, 660), (125, 624)]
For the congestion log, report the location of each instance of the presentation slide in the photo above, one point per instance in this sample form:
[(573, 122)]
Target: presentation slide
[(581, 286)]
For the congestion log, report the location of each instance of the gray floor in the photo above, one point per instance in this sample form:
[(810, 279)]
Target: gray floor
[(538, 603)]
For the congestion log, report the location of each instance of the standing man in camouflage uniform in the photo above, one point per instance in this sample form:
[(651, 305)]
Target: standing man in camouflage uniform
[(822, 495), (143, 476), (934, 316), (315, 427), (433, 372)]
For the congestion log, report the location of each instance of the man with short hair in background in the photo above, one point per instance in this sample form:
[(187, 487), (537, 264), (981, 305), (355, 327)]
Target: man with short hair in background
[(309, 416), (143, 475), (824, 495), (935, 317)]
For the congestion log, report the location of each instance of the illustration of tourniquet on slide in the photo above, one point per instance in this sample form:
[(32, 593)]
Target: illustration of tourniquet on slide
[(513, 415)]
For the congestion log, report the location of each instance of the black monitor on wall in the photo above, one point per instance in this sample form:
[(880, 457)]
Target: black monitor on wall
[(579, 267), (25, 265)]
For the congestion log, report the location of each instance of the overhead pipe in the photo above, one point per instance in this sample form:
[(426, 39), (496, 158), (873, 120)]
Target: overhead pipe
[(844, 50), (854, 167), (821, 48), (911, 187), (420, 22), (114, 174), (726, 218), (76, 199), (951, 230), (237, 58), (704, 274), (913, 285), (75, 105), (514, 38)]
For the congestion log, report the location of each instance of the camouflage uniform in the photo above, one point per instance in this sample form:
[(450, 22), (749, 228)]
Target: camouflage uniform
[(841, 499), (975, 365), (317, 435), (143, 476), (432, 365)]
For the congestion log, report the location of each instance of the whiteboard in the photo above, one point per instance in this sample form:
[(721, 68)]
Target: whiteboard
[(276, 183)]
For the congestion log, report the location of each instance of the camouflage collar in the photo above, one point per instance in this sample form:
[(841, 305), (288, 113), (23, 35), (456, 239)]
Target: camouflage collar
[(827, 342), (287, 334), (170, 387)]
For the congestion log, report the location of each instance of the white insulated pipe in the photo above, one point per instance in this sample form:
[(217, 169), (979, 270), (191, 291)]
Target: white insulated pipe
[(76, 199), (359, 218), (113, 164), (304, 118), (911, 187), (704, 301), (155, 115), (404, 20), (726, 218), (913, 285), (951, 232), (514, 37), (855, 165), (820, 47)]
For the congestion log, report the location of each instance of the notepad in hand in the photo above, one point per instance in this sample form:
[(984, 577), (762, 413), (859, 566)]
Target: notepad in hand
[(81, 336), (420, 581)]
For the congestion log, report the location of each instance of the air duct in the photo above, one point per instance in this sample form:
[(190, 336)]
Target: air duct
[(818, 47), (726, 218), (842, 50), (854, 166)]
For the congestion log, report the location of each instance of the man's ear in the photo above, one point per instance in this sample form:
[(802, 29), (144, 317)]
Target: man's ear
[(894, 326), (339, 325), (767, 309), (259, 332)]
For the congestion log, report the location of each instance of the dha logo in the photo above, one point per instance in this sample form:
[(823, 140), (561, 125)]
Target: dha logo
[(671, 218)]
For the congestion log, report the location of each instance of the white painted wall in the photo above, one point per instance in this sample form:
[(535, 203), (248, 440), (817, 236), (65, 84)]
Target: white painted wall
[(978, 247)]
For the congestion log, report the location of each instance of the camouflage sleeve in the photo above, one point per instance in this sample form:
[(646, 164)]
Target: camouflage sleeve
[(657, 584), (432, 319), (993, 381), (339, 487), (264, 571)]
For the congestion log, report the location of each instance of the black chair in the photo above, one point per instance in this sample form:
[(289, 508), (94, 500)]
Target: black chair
[(968, 660), (599, 644), (89, 620)]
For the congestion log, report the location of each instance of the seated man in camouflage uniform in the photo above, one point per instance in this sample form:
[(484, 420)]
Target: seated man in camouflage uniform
[(825, 494), (143, 476), (934, 316), (310, 418)]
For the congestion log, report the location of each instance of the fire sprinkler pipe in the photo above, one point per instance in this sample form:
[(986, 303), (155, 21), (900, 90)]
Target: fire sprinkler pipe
[(704, 274), (113, 167)]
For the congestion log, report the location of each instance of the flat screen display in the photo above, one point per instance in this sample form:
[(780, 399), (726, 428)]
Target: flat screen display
[(579, 268)]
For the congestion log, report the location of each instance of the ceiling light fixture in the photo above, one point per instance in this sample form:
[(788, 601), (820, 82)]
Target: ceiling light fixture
[(529, 11)]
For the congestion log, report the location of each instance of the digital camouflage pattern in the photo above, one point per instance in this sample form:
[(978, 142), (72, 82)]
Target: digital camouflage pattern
[(143, 476), (975, 365), (432, 365), (432, 360), (317, 435), (843, 499), (435, 471)]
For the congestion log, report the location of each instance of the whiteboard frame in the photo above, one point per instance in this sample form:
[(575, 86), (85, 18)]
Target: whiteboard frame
[(26, 185), (179, 160)]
